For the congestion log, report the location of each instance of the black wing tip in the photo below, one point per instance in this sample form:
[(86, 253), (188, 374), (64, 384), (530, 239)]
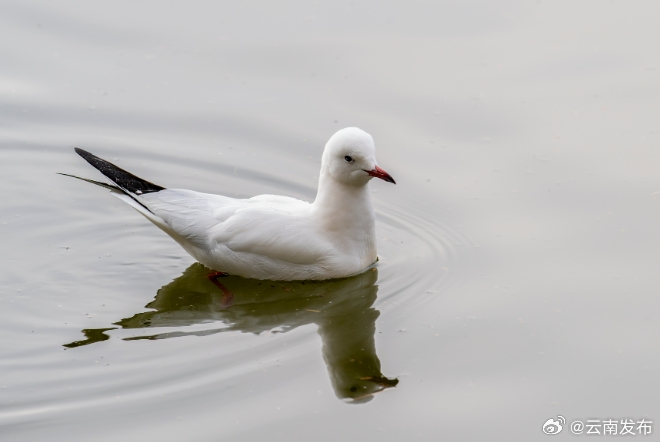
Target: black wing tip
[(87, 155), (82, 152), (97, 183), (122, 178)]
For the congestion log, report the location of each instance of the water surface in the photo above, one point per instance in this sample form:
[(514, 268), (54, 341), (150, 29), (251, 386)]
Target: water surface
[(518, 250)]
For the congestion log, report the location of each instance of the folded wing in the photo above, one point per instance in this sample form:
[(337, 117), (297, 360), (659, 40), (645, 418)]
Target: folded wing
[(272, 227)]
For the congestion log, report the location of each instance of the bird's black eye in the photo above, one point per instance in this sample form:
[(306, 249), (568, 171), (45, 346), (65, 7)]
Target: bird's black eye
[(349, 159)]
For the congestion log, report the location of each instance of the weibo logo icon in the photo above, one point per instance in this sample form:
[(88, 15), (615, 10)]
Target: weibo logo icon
[(552, 426)]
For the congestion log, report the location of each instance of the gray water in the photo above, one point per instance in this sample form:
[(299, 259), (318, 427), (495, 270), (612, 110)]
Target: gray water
[(518, 251)]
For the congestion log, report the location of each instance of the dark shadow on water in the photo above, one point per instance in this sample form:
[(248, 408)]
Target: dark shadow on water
[(342, 310)]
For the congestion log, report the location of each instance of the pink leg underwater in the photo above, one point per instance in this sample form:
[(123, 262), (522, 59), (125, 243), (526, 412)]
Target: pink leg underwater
[(214, 274), (227, 296)]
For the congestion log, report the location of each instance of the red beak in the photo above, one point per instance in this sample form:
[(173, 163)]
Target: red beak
[(380, 173)]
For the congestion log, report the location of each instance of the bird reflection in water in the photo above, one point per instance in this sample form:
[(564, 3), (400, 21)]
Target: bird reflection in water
[(342, 310)]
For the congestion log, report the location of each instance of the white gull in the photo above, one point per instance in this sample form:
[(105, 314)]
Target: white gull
[(270, 237)]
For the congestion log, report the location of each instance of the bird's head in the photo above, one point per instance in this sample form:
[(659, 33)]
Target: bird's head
[(350, 158)]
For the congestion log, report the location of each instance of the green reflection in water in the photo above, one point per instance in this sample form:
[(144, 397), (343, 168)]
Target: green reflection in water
[(342, 309)]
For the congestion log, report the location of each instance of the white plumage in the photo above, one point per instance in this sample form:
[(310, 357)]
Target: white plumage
[(271, 237)]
